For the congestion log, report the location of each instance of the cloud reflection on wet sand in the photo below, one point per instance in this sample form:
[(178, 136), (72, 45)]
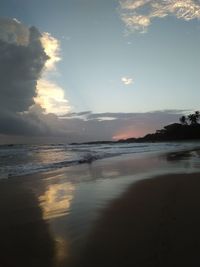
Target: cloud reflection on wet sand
[(56, 200)]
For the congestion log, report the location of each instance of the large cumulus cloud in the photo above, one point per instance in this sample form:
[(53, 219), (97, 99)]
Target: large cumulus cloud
[(27, 94), (22, 59)]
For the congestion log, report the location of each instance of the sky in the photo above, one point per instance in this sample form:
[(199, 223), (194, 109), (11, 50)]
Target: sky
[(81, 70)]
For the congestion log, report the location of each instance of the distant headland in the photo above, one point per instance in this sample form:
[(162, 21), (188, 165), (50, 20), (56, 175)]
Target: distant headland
[(188, 128)]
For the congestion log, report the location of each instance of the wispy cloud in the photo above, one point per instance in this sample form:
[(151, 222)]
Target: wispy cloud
[(138, 14), (127, 80), (16, 20)]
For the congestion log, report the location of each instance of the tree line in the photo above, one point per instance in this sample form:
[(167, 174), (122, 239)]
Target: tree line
[(191, 119)]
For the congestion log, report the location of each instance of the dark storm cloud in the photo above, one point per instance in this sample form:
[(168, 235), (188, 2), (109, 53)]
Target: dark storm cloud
[(20, 68), (12, 123), (22, 58)]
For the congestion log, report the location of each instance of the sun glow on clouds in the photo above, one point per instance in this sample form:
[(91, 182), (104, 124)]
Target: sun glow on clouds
[(123, 135), (138, 14), (50, 96), (52, 49), (129, 132)]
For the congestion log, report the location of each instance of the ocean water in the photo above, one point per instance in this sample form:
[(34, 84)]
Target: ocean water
[(18, 160)]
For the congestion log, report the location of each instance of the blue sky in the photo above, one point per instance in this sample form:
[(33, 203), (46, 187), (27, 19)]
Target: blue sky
[(164, 62), (120, 56)]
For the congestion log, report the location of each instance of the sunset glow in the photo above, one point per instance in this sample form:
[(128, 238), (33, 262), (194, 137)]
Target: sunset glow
[(125, 135)]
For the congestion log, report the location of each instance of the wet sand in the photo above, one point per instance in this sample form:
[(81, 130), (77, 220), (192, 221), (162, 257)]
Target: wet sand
[(156, 222), (25, 238), (104, 214)]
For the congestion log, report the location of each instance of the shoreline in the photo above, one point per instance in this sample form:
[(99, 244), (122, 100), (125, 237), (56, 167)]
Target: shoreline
[(45, 170)]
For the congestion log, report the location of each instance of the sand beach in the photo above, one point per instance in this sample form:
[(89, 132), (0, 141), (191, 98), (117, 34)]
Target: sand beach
[(122, 211)]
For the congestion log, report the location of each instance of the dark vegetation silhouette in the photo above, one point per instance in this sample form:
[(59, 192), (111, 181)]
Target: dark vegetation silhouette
[(187, 129)]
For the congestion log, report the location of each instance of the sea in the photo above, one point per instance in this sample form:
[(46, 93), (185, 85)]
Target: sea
[(18, 160)]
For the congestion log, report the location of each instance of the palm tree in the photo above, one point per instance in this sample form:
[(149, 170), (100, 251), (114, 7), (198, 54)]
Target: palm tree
[(183, 120), (193, 118), (197, 113)]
